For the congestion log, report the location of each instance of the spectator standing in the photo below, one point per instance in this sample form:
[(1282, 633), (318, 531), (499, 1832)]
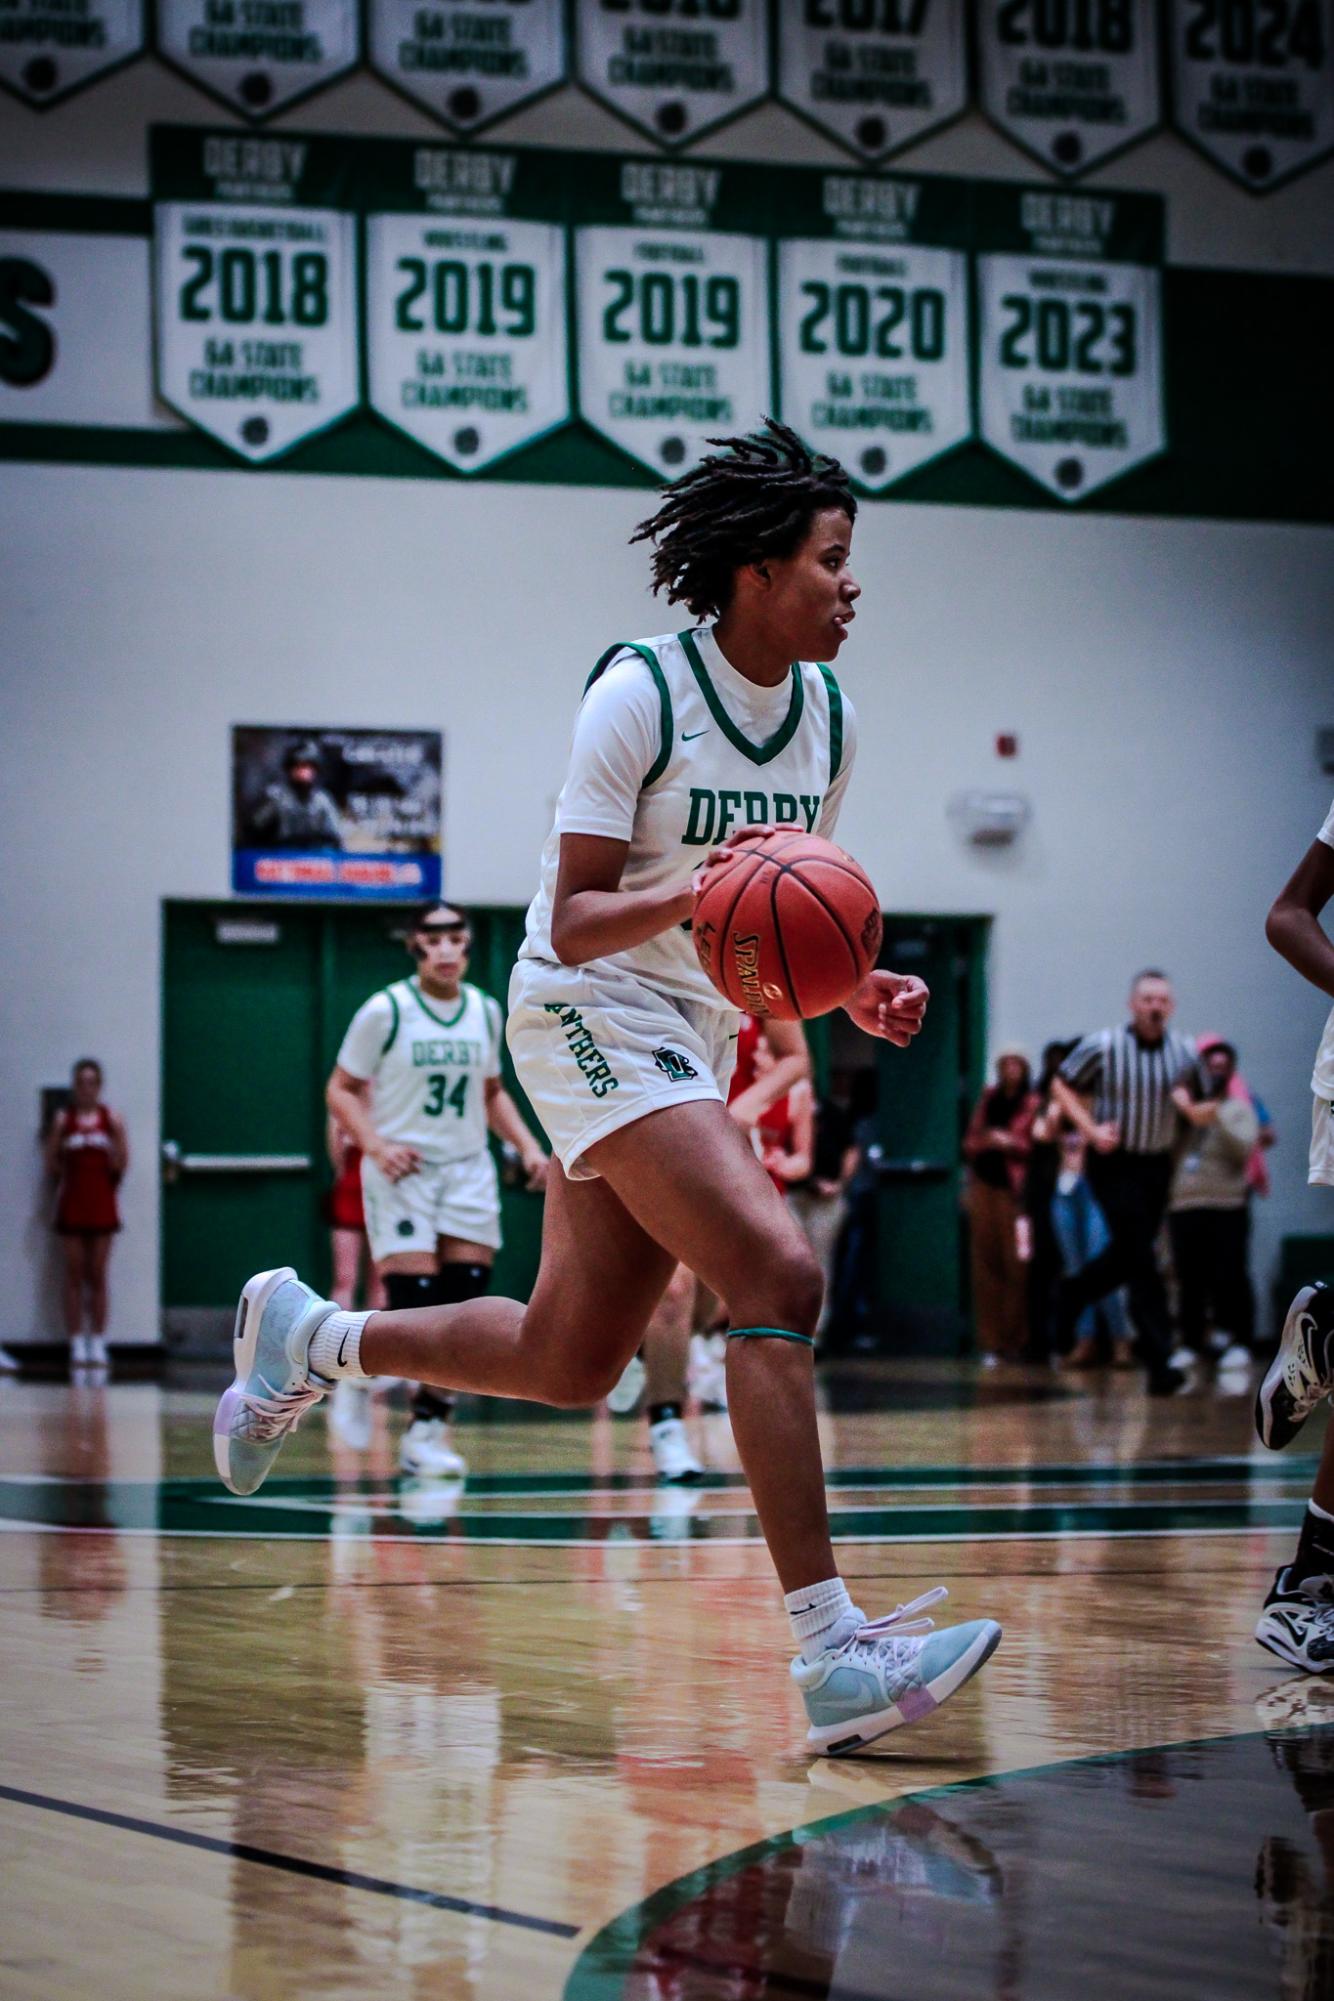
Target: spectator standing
[(1131, 1129), (1207, 1212), (996, 1145), (1081, 1233), (87, 1154), (1044, 1165)]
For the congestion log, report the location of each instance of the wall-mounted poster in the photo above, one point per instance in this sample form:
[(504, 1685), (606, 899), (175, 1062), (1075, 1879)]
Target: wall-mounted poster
[(335, 813), (876, 77), (468, 62), (674, 71), (1071, 81), (255, 286), (1070, 332), (49, 48), (1253, 84), (259, 56), (466, 299), (673, 306), (873, 321)]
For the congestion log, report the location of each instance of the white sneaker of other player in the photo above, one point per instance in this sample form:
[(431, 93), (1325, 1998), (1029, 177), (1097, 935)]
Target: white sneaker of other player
[(1297, 1623), (426, 1450), (1299, 1375), (707, 1372), (628, 1390), (672, 1456), (1234, 1357), (350, 1414), (880, 1673), (1182, 1358)]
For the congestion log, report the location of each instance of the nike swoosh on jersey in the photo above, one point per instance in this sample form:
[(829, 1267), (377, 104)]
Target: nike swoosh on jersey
[(688, 736)]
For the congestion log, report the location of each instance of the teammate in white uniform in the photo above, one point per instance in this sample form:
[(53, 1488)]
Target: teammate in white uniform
[(417, 1085), (1297, 1622), (625, 1049)]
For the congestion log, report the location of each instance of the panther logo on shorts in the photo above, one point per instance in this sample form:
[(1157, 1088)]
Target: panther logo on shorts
[(674, 1065)]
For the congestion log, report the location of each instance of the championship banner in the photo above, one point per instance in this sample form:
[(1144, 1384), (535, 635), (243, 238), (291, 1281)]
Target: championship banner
[(75, 325), (466, 299), (333, 813), (875, 77), (255, 286), (1254, 84), (873, 322), (468, 62), (259, 56), (49, 48), (672, 306), (1070, 333), (1071, 81), (674, 71)]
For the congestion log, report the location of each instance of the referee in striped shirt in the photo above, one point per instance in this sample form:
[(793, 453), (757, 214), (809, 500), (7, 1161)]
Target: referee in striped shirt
[(1132, 1073)]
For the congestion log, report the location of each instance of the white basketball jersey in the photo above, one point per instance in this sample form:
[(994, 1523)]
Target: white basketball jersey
[(676, 703), (429, 1061)]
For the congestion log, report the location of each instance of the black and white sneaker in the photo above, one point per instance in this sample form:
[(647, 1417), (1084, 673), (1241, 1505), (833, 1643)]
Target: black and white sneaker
[(1297, 1623), (1300, 1373)]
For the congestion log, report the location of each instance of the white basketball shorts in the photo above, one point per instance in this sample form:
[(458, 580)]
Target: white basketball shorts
[(597, 1050), (458, 1198), (1322, 1144)]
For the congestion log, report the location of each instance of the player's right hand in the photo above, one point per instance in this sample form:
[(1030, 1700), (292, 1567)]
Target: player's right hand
[(395, 1162), (1106, 1138)]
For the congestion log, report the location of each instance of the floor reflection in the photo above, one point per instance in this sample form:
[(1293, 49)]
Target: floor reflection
[(1199, 1869)]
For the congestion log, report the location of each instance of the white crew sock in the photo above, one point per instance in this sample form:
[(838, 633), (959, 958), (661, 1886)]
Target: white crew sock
[(335, 1347), (821, 1613)]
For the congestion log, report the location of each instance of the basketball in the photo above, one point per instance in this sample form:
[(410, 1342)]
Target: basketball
[(789, 927)]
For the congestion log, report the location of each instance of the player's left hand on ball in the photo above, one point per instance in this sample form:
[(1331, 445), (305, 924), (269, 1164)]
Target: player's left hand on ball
[(890, 1005)]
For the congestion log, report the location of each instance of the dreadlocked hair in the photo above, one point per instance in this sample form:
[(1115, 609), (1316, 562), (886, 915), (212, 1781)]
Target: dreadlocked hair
[(754, 498)]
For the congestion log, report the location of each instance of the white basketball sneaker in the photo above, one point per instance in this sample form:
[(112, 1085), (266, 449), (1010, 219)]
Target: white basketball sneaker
[(628, 1390), (350, 1414), (672, 1457), (275, 1318), (883, 1672), (426, 1450), (707, 1373)]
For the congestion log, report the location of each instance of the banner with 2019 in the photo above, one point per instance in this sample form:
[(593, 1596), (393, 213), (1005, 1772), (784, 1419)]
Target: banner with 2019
[(502, 295)]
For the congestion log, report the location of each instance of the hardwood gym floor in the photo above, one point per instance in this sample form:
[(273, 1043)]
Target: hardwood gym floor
[(364, 1737)]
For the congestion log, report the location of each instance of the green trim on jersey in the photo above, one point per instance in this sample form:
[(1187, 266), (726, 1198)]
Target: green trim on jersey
[(439, 1019), (835, 694), (650, 660), (388, 1042), (757, 753)]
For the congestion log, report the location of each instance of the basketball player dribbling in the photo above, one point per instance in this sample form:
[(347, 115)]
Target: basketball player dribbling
[(624, 1049)]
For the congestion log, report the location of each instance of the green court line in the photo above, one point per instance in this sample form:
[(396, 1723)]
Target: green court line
[(607, 1961), (200, 1508)]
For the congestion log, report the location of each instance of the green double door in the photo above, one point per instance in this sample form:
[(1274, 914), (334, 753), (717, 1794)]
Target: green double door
[(255, 1001)]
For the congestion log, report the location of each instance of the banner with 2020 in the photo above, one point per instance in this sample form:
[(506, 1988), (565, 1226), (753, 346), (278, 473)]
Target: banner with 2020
[(478, 299)]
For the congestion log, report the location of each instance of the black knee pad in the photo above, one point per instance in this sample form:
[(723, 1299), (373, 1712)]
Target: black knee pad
[(454, 1283), (409, 1288)]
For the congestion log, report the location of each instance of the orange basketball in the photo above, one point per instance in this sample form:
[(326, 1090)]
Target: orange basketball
[(788, 928)]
